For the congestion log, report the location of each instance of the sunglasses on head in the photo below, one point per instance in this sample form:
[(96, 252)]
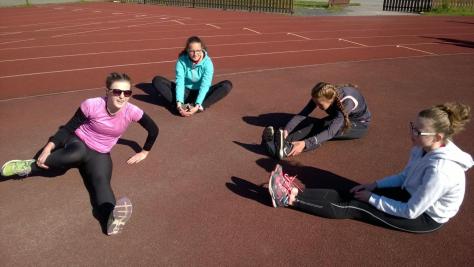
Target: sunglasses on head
[(118, 92)]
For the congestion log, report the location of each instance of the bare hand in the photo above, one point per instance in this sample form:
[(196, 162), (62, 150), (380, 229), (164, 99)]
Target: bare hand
[(138, 157), (298, 147), (285, 134), (368, 187), (44, 155), (363, 195), (191, 111)]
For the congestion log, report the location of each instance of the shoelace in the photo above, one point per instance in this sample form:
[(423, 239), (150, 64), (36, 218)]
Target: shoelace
[(289, 182), (25, 168)]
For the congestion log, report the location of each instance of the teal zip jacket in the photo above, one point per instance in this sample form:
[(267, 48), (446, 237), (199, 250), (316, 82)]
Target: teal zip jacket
[(194, 77)]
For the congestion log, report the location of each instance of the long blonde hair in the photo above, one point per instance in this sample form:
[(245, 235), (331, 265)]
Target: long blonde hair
[(448, 118), (331, 92)]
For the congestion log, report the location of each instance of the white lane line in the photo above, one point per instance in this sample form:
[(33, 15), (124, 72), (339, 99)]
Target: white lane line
[(340, 39), (70, 26), (9, 33), (172, 48), (252, 30), (212, 25), (177, 21), (91, 68), (17, 41), (418, 50), (169, 61), (74, 33), (143, 24), (97, 11), (297, 35), (50, 94), (94, 53), (258, 71), (117, 13)]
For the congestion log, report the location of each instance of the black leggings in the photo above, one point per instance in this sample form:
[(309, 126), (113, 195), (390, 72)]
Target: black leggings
[(94, 167), (167, 89), (329, 203), (312, 126)]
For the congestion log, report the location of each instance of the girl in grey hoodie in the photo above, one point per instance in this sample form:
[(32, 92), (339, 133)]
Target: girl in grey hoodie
[(428, 192)]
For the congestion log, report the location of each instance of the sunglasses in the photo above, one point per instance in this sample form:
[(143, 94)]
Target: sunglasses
[(417, 132), (118, 92), (194, 51)]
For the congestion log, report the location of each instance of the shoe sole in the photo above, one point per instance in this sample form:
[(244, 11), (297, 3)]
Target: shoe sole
[(268, 134), (121, 213), (280, 142), (270, 190)]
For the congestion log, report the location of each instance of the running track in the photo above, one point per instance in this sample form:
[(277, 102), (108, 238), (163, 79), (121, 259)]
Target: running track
[(198, 199)]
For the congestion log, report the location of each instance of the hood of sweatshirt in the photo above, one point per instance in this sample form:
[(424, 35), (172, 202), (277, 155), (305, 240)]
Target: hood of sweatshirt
[(453, 153)]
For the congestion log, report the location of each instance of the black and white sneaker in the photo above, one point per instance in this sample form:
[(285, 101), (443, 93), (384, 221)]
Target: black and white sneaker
[(283, 147), (119, 216), (280, 141), (268, 140)]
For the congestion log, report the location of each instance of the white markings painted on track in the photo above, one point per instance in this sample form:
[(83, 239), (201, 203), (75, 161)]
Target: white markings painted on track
[(177, 21), (297, 35), (70, 26), (212, 25), (140, 16), (254, 31), (418, 50), (117, 13), (51, 94), (93, 53), (97, 11), (91, 68), (73, 33), (256, 71), (17, 41), (9, 33), (172, 61), (149, 23), (344, 40)]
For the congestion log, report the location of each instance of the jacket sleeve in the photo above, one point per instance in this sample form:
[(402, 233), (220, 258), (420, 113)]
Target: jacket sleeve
[(152, 129), (425, 196), (298, 118), (206, 81), (61, 136), (334, 127), (180, 74)]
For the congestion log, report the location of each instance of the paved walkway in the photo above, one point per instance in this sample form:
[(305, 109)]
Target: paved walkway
[(366, 8)]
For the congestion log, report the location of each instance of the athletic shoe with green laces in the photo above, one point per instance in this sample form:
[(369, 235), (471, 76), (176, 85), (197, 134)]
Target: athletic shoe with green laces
[(17, 167)]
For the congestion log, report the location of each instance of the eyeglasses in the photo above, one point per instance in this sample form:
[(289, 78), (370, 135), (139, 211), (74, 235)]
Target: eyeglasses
[(118, 92), (417, 132), (194, 51)]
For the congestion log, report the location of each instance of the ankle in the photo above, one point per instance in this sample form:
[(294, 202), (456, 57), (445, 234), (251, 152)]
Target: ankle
[(293, 194)]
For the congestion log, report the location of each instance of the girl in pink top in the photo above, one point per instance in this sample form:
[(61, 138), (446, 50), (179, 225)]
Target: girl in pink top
[(85, 142)]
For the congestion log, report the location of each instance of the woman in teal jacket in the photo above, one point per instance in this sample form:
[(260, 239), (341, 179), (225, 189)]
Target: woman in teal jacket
[(192, 90)]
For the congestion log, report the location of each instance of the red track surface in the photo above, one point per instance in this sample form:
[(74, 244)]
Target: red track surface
[(197, 197)]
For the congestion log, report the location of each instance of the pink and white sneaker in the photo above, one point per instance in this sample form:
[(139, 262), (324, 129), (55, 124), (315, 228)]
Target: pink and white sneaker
[(280, 186)]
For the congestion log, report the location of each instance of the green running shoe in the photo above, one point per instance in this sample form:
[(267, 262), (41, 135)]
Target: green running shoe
[(17, 167)]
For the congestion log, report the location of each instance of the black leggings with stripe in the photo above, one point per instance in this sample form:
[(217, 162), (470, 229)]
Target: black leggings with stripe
[(329, 203), (94, 167)]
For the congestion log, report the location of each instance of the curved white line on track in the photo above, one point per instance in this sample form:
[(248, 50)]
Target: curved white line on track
[(256, 71), (172, 61)]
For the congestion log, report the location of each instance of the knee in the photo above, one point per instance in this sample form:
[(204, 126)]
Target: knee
[(227, 85)]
